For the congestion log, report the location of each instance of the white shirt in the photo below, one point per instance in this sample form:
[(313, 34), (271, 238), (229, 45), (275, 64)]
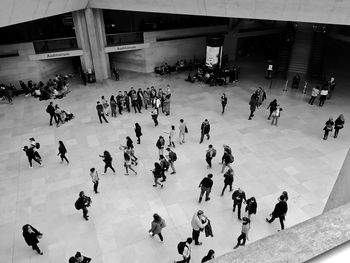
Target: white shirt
[(324, 92)]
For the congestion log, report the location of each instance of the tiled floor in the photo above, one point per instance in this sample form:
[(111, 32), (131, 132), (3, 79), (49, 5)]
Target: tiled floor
[(268, 160)]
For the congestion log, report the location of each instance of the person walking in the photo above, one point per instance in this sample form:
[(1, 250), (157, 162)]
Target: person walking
[(338, 125), (185, 250), (238, 197), (328, 128), (223, 102), (127, 101), (171, 136), (95, 179), (275, 115), (279, 212), (332, 85), (113, 104), (120, 102), (79, 258), (127, 162), (51, 110), (209, 256), (314, 93), (228, 181), (82, 203), (251, 206), (31, 237), (198, 222), (323, 96), (172, 157), (205, 129), (210, 154), (154, 115), (62, 151), (166, 104), (100, 112), (138, 132), (107, 159), (165, 166), (160, 145), (105, 105), (157, 225), (244, 233), (272, 106), (253, 104), (182, 131), (227, 158), (157, 173), (205, 185), (31, 156)]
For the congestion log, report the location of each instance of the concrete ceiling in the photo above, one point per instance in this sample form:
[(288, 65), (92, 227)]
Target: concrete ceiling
[(320, 11)]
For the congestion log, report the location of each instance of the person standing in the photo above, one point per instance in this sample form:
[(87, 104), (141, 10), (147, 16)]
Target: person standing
[(172, 157), (154, 115), (338, 125), (82, 203), (209, 256), (251, 206), (100, 112), (166, 104), (160, 145), (328, 128), (171, 136), (157, 225), (314, 93), (95, 179), (115, 73), (120, 102), (127, 162), (253, 104), (138, 132), (205, 185), (62, 151), (198, 222), (272, 106), (275, 115), (205, 129), (244, 233), (182, 131), (228, 181), (51, 110), (105, 105), (332, 85), (31, 236), (127, 101), (185, 250), (238, 197), (107, 158), (210, 154), (157, 173), (165, 166), (113, 104), (323, 96), (223, 102), (280, 212), (79, 258)]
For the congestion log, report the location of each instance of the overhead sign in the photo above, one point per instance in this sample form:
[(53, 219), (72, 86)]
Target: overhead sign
[(126, 47), (53, 55)]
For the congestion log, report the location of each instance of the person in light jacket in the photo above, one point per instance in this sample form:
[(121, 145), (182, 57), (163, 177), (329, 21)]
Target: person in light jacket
[(314, 93), (244, 233), (199, 221), (157, 225)]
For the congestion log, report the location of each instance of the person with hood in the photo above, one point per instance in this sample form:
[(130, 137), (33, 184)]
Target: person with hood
[(157, 225), (31, 236)]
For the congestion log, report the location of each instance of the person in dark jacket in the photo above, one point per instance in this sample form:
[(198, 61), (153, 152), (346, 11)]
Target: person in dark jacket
[(31, 156), (272, 106), (84, 202), (138, 132), (81, 259), (205, 129), (253, 104), (51, 110), (338, 124), (62, 151), (205, 185), (113, 104), (228, 180), (160, 145), (107, 158), (100, 112), (238, 197), (280, 211), (251, 206), (31, 236), (154, 115), (120, 101), (209, 256), (223, 102), (157, 173), (328, 128), (244, 233)]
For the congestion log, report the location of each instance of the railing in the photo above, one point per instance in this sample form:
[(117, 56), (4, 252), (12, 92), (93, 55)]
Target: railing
[(124, 38), (54, 45)]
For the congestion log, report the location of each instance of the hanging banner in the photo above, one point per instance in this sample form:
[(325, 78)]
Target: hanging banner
[(214, 52)]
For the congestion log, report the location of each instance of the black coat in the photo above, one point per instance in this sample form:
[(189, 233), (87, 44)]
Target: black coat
[(281, 209), (31, 238), (208, 230), (205, 127), (251, 206)]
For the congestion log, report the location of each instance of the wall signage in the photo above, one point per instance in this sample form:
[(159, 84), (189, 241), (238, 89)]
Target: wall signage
[(53, 55), (126, 47)]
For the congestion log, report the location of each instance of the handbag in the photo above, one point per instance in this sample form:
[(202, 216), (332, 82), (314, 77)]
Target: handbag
[(186, 130)]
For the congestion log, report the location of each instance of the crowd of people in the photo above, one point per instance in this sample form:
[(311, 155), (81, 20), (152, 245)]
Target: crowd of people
[(155, 101)]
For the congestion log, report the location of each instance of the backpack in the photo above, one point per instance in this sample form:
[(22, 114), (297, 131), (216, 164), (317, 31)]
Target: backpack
[(173, 156), (77, 204), (37, 145), (214, 153), (231, 158), (181, 247)]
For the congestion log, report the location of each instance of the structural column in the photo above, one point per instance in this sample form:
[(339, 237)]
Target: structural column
[(91, 37)]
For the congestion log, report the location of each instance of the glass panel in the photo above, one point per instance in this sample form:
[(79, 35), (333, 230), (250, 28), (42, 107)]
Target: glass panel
[(124, 38), (54, 45)]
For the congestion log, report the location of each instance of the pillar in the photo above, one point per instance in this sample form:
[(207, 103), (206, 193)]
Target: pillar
[(91, 37)]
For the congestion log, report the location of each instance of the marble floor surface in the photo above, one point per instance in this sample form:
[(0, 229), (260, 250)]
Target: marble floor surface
[(268, 160)]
